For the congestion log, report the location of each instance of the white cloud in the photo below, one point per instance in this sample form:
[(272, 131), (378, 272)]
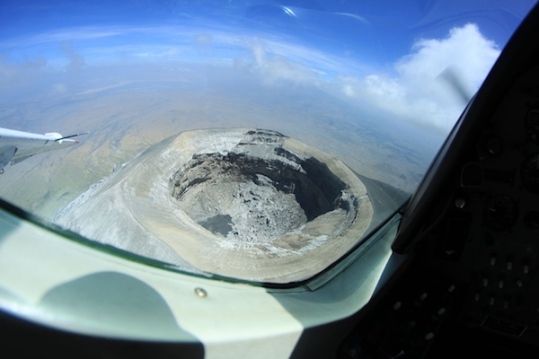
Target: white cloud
[(417, 91), (414, 89), (75, 60), (275, 68)]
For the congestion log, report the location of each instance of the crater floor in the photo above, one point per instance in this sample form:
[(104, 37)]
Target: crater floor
[(246, 203)]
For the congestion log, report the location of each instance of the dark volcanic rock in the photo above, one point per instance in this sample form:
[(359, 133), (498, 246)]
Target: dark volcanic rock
[(315, 188)]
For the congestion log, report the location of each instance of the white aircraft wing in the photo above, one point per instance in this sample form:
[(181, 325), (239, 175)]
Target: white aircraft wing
[(16, 146)]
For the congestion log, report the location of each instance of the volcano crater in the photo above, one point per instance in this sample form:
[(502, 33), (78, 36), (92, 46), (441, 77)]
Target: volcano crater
[(254, 199), (251, 204)]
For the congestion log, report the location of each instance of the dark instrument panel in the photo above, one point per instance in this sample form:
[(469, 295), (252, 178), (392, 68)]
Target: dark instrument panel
[(471, 286)]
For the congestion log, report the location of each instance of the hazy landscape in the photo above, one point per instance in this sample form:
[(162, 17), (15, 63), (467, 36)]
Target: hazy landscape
[(125, 117)]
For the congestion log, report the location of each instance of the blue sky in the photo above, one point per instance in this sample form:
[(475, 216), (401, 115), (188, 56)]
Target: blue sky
[(386, 53), (378, 31)]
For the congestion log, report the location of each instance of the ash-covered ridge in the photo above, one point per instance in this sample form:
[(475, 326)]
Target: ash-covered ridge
[(246, 203)]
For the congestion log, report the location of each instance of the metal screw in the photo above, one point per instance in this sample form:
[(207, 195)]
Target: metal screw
[(201, 292)]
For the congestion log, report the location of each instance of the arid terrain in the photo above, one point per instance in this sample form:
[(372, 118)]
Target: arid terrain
[(125, 119)]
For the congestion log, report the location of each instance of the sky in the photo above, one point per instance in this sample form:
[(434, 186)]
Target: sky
[(387, 54)]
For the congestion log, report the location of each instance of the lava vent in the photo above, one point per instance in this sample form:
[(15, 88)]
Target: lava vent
[(250, 204)]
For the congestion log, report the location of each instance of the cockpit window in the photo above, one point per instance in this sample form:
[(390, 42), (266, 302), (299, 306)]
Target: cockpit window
[(257, 140)]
